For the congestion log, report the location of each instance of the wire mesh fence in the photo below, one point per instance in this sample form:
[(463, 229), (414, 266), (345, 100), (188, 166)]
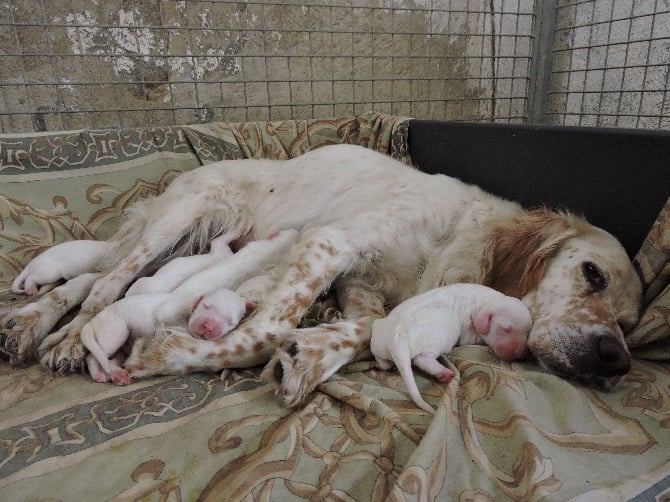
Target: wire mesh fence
[(610, 64), (120, 63)]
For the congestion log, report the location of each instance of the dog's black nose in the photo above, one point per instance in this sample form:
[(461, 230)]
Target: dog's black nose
[(614, 359), (278, 372)]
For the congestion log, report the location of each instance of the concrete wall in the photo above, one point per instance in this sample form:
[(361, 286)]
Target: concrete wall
[(611, 62), (74, 64), (67, 64)]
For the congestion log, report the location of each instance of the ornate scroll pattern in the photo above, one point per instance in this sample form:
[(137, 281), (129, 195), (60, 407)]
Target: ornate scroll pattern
[(652, 335), (501, 432), (72, 429), (86, 148), (288, 139), (44, 227)]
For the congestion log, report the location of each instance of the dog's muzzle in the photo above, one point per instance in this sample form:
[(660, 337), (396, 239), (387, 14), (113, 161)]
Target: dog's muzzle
[(597, 358)]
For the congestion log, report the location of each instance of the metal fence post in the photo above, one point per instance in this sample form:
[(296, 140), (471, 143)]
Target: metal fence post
[(541, 63)]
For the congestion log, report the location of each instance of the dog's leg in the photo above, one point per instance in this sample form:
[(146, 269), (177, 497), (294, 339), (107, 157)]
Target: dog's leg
[(171, 218), (320, 256), (22, 331), (308, 357)]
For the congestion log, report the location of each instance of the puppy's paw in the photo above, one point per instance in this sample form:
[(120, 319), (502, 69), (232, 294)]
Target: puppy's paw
[(444, 376), (121, 377), (100, 377)]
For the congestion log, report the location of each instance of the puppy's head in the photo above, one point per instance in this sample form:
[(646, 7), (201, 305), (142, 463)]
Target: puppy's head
[(216, 314), (504, 325)]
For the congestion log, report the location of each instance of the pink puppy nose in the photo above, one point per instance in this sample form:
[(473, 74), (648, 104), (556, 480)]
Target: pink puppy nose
[(209, 328)]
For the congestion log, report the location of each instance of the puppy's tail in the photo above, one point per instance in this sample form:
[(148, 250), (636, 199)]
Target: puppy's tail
[(400, 353), (18, 284), (91, 343)]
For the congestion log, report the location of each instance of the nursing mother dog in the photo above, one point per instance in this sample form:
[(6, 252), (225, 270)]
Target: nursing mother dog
[(379, 232)]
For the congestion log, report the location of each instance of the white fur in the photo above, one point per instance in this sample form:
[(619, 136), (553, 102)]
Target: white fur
[(216, 314), (176, 271), (63, 261), (425, 326), (204, 295), (134, 316)]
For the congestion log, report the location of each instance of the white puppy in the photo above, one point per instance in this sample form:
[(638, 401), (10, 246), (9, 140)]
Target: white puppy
[(63, 261), (421, 328), (139, 315), (216, 310), (217, 313), (176, 271)]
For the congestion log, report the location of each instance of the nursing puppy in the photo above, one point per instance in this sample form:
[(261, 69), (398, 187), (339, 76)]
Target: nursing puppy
[(63, 261), (215, 309), (217, 313), (420, 329), (176, 271), (140, 315)]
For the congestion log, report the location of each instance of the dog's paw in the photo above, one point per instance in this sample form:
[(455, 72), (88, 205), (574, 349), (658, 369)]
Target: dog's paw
[(63, 351), (300, 364), (288, 376), (19, 335)]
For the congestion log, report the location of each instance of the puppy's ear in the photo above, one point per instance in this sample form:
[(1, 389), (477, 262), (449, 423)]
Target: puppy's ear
[(518, 249), (482, 321), (197, 302)]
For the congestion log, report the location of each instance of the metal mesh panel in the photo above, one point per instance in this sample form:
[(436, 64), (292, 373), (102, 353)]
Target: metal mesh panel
[(74, 64), (610, 64)]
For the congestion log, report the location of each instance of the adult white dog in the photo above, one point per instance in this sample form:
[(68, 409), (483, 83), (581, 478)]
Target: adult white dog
[(380, 232)]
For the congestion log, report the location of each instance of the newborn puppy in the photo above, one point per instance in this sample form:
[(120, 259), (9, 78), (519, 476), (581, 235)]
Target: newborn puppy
[(421, 328), (63, 261), (139, 315), (217, 313), (176, 271)]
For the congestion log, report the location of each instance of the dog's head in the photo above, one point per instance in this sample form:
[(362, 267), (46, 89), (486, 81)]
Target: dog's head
[(580, 287)]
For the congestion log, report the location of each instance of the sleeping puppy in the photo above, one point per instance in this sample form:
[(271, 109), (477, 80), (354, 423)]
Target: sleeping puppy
[(421, 328), (141, 315), (63, 261), (176, 271), (213, 308), (217, 313)]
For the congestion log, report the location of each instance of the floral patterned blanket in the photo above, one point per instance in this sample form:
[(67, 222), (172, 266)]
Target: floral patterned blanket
[(502, 431)]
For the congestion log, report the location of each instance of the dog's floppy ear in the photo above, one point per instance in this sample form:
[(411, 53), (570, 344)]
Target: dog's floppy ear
[(518, 250)]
